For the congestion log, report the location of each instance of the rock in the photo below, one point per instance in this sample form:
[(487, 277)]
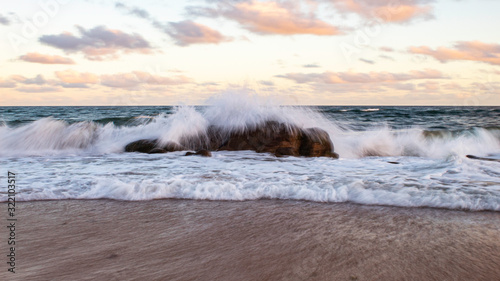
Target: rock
[(482, 158), (157, 150), (315, 143), (143, 146), (284, 151), (203, 152), (172, 146), (269, 137), (152, 146), (273, 137)]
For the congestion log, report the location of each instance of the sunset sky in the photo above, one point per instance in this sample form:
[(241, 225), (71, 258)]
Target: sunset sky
[(325, 52)]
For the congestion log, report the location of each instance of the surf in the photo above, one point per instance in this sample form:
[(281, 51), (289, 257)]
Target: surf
[(240, 113)]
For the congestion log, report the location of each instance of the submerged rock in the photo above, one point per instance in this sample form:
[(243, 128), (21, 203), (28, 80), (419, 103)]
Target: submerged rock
[(203, 152), (143, 146), (157, 150), (152, 146), (273, 137), (482, 158)]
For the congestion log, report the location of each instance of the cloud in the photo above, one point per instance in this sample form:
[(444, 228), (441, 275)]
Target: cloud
[(38, 89), (137, 78), (465, 50), (386, 49), (388, 11), (387, 57), (138, 12), (188, 32), (4, 20), (284, 18), (311, 65), (362, 78), (401, 86), (367, 61), (184, 33), (430, 85), (37, 80), (266, 83), (46, 59), (7, 83), (74, 85), (74, 77), (98, 43)]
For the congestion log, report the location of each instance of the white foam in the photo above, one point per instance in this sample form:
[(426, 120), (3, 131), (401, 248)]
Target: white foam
[(84, 160), (453, 184)]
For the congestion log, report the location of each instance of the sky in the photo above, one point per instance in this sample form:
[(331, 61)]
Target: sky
[(312, 52)]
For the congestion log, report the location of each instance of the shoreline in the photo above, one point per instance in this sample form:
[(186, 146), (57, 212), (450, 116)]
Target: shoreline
[(176, 239)]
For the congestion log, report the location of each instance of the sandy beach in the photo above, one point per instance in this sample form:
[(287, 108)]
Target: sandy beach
[(250, 240)]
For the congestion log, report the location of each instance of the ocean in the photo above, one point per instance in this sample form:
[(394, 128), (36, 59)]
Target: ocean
[(389, 155)]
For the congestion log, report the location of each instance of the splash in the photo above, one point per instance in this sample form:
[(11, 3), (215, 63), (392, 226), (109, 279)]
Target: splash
[(239, 112)]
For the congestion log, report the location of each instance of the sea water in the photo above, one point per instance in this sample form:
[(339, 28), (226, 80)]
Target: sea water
[(397, 156)]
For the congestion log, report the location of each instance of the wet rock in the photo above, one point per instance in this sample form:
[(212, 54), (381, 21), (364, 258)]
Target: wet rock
[(269, 137), (157, 150), (482, 158), (315, 143), (284, 151), (171, 146), (152, 146), (203, 152), (143, 146), (273, 137)]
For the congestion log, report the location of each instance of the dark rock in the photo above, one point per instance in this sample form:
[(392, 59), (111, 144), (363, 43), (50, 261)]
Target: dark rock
[(315, 143), (273, 137), (482, 158), (266, 138), (152, 146), (284, 151), (203, 152), (143, 146), (171, 146), (157, 150)]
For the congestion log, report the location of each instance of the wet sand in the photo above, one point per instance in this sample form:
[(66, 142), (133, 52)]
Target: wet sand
[(251, 240)]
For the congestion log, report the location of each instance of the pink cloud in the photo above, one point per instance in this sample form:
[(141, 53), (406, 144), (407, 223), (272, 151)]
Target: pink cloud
[(430, 85), (37, 80), (465, 50), (38, 89), (188, 32), (285, 18), (386, 49), (362, 78), (130, 80), (99, 43), (137, 78), (46, 59), (7, 83), (388, 11), (74, 77)]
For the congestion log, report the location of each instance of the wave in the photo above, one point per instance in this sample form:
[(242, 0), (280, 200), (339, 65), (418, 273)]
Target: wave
[(245, 175), (409, 167), (49, 136)]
